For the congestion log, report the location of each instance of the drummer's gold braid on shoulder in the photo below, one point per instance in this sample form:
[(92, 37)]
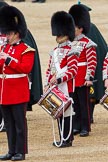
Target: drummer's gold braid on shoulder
[(28, 49)]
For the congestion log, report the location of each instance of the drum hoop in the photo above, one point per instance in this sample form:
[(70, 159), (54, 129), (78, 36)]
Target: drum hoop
[(102, 100), (61, 108), (64, 103), (44, 95)]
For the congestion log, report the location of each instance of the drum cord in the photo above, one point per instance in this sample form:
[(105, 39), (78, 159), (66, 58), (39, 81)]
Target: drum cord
[(65, 139), (62, 130), (2, 125)]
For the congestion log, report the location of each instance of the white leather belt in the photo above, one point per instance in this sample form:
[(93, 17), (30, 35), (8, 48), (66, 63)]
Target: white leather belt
[(82, 63), (12, 75)]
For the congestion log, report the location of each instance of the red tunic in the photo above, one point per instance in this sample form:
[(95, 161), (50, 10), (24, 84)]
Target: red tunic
[(16, 90), (87, 61), (68, 58)]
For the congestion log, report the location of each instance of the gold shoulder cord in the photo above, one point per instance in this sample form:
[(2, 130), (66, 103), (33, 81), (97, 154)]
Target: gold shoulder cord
[(28, 49)]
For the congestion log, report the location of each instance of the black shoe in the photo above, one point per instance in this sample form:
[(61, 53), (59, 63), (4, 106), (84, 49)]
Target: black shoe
[(76, 131), (84, 133), (41, 1), (20, 0), (18, 157), (34, 1), (64, 144), (6, 157)]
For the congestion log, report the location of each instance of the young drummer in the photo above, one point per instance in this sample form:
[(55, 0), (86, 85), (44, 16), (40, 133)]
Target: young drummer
[(62, 66)]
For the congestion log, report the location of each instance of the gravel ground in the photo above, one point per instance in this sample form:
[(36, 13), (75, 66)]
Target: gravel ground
[(93, 148)]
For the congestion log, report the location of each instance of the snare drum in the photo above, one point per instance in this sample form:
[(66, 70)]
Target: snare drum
[(54, 102), (104, 100)]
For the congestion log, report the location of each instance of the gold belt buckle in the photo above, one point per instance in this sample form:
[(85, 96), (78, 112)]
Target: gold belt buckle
[(4, 76)]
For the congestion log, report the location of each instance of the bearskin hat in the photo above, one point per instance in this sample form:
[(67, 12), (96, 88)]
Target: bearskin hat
[(88, 8), (3, 4), (81, 17), (11, 19), (62, 24)]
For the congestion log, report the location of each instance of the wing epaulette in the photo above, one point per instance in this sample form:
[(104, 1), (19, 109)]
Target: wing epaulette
[(28, 49), (91, 44), (76, 48)]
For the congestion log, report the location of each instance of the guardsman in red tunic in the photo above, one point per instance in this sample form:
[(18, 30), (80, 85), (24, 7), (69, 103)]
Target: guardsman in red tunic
[(62, 66), (96, 36), (86, 70), (16, 61)]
